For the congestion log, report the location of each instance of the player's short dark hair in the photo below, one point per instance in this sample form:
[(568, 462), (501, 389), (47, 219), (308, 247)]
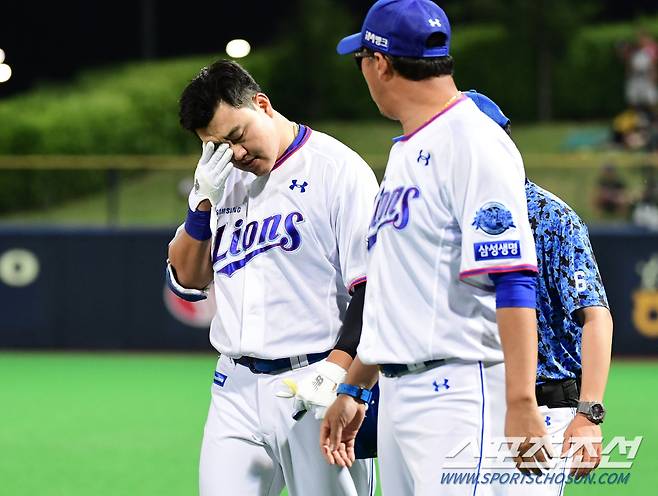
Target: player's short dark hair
[(417, 69), (223, 81)]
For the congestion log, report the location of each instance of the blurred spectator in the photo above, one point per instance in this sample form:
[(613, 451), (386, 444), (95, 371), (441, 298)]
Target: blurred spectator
[(645, 210), (641, 58), (611, 198), (633, 129), (637, 127)]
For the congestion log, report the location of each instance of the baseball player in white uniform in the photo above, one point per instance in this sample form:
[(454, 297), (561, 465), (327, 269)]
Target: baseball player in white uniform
[(449, 317), (277, 219)]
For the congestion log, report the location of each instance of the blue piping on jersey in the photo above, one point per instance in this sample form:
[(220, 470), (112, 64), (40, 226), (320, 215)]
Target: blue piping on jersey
[(564, 468), (477, 475), (301, 138), (371, 482)]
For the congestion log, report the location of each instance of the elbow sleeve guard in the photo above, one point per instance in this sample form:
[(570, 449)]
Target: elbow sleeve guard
[(188, 294)]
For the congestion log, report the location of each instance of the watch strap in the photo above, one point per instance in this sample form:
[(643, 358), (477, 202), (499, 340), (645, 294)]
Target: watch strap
[(585, 407), (360, 394)]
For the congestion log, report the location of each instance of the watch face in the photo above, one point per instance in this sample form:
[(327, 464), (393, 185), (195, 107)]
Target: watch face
[(597, 411)]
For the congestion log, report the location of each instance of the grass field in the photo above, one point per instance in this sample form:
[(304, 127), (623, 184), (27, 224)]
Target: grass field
[(74, 424)]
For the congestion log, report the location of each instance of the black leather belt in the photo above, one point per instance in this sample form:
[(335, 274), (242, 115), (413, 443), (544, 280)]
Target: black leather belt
[(263, 366), (563, 393), (397, 369)]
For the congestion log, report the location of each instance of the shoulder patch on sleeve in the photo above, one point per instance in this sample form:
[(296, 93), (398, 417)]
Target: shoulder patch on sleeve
[(493, 218), (492, 250)]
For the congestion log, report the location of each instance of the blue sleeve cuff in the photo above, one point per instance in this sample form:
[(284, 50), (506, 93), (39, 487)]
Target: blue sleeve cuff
[(515, 289)]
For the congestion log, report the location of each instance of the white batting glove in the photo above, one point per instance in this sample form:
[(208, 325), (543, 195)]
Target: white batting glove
[(316, 392), (211, 174)]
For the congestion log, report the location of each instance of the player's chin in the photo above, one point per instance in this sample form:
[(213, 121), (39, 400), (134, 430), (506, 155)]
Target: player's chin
[(257, 166)]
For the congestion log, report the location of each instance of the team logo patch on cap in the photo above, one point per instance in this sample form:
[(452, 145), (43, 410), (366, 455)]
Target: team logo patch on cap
[(493, 218)]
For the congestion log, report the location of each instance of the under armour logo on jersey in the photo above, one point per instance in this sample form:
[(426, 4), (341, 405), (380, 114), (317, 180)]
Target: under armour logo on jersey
[(435, 23), (196, 186), (300, 186), (437, 386), (547, 420), (425, 158)]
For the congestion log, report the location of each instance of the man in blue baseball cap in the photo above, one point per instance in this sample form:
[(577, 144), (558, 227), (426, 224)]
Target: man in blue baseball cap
[(449, 325)]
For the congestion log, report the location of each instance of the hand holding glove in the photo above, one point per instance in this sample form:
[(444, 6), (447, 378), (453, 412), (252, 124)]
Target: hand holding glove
[(316, 392)]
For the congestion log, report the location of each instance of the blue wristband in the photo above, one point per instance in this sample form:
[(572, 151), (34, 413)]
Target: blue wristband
[(197, 225), (359, 394)]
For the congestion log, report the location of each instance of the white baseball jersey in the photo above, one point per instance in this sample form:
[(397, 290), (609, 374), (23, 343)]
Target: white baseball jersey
[(451, 210), (287, 249)]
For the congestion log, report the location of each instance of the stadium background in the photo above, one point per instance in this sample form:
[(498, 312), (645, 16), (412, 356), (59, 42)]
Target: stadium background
[(105, 377)]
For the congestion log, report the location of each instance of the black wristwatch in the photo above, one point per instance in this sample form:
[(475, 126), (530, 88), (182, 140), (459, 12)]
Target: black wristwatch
[(592, 410)]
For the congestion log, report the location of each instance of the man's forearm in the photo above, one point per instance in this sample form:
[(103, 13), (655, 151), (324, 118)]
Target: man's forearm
[(595, 354), (340, 358), (190, 259), (362, 375), (518, 335)]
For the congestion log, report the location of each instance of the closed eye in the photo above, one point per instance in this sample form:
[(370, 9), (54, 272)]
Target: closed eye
[(232, 138)]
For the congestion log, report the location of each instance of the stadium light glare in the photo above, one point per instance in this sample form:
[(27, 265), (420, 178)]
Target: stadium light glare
[(5, 73), (2, 55), (236, 49)]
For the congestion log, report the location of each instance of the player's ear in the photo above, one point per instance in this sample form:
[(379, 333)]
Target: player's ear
[(383, 66), (262, 102)]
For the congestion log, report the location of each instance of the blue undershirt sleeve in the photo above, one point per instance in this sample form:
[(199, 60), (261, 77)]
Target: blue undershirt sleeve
[(515, 289)]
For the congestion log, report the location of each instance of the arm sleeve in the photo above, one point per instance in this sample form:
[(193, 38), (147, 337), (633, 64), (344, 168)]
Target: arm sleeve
[(353, 197), (489, 202), (350, 332), (574, 269), (515, 289)]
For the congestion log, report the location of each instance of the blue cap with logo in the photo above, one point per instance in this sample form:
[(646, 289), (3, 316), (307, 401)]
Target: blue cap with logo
[(488, 106), (401, 28)]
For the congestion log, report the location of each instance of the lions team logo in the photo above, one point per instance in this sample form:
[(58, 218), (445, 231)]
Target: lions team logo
[(392, 208), (493, 218), (256, 237), (645, 299)]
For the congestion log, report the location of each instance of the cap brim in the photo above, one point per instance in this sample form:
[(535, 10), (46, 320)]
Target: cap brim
[(349, 44)]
